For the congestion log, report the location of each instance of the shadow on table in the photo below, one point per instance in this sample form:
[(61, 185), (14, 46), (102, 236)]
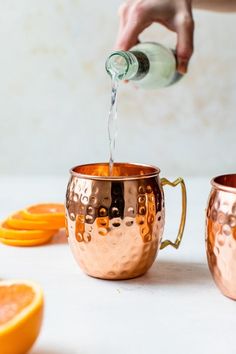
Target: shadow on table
[(174, 273), (52, 351), (59, 238), (47, 351)]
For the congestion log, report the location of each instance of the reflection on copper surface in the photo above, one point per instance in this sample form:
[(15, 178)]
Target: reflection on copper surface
[(115, 225), (66, 227), (221, 233), (79, 227), (146, 214)]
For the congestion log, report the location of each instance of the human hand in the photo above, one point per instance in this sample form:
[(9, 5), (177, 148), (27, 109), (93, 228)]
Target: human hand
[(176, 15)]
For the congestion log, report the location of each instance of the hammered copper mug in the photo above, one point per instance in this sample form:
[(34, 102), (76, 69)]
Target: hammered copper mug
[(221, 233), (115, 223)]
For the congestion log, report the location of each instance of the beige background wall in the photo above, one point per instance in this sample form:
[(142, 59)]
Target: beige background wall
[(55, 94)]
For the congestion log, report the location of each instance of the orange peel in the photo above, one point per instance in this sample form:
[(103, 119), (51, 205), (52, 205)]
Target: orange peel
[(26, 242), (7, 232), (17, 221)]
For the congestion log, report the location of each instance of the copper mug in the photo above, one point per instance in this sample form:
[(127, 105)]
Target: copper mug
[(221, 233), (115, 223)]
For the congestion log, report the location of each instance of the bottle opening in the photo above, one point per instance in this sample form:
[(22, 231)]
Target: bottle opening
[(117, 65)]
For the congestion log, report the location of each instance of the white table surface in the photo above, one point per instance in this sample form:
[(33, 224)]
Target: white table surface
[(174, 308)]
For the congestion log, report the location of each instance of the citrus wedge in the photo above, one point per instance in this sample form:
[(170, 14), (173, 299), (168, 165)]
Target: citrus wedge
[(17, 221), (45, 212), (26, 243), (6, 232), (21, 304)]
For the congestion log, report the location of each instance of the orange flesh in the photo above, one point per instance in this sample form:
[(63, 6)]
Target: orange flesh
[(18, 216), (13, 299), (46, 208)]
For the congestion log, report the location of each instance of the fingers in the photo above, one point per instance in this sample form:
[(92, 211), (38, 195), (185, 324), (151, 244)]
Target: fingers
[(184, 48), (137, 15), (132, 23), (123, 13)]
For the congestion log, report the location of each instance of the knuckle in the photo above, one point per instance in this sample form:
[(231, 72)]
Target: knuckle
[(122, 9), (186, 20), (185, 53), (139, 8), (185, 50)]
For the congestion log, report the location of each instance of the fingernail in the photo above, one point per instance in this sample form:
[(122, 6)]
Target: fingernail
[(182, 66)]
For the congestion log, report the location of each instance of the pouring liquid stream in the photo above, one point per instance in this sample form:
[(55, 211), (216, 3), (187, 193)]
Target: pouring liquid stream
[(149, 65), (112, 121)]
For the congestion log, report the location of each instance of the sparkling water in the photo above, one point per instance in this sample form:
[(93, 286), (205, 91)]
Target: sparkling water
[(112, 122)]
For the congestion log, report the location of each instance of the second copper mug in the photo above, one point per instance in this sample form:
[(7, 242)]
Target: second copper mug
[(221, 233), (115, 223)]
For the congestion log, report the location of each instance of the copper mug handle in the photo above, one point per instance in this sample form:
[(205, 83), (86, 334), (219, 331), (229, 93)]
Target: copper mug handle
[(177, 242)]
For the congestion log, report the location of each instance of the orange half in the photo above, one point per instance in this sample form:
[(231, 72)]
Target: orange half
[(17, 221), (21, 304), (45, 212)]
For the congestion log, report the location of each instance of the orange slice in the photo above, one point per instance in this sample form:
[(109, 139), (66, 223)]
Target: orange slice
[(26, 242), (21, 304), (17, 221), (45, 212), (6, 232)]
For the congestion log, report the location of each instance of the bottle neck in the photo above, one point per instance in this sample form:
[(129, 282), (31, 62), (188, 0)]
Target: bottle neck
[(127, 65)]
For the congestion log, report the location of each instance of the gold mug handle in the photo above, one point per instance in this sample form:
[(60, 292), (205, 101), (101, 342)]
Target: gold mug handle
[(180, 181)]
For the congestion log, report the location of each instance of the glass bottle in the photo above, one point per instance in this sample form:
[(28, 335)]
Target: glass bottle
[(149, 65)]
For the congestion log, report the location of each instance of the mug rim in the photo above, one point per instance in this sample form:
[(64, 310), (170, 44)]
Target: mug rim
[(222, 186), (156, 171)]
